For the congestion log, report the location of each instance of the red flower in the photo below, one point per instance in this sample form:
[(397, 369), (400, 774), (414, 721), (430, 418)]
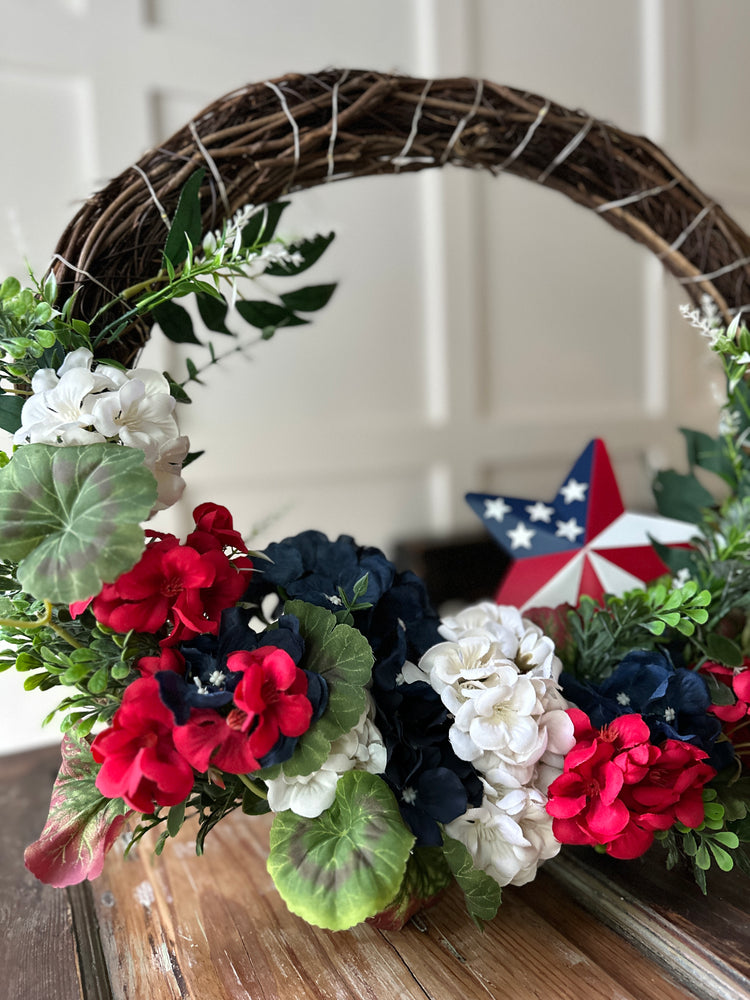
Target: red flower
[(214, 529), (169, 659), (270, 702), (140, 763), (617, 787), (174, 584), (735, 717), (739, 682)]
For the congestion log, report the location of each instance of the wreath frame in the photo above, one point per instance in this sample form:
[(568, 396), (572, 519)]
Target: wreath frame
[(275, 137)]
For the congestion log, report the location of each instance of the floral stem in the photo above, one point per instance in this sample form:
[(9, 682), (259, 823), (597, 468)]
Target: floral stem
[(255, 789), (45, 620)]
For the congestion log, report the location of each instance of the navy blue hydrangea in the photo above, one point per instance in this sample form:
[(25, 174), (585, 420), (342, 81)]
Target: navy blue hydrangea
[(309, 567), (673, 701), (431, 784)]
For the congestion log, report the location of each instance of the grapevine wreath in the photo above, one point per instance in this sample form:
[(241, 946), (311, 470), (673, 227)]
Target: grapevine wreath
[(397, 751)]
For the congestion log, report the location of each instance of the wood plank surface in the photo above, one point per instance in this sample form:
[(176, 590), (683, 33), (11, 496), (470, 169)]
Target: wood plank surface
[(215, 929), (185, 928), (37, 942)]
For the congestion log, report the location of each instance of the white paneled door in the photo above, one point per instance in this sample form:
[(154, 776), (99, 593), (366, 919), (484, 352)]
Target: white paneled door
[(483, 329)]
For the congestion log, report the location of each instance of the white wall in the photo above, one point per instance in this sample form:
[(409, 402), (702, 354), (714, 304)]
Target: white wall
[(434, 370)]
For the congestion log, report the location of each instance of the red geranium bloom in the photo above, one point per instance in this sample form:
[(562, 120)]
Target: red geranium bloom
[(617, 787), (175, 584), (735, 717), (214, 529), (140, 763), (270, 701), (169, 659), (739, 682)]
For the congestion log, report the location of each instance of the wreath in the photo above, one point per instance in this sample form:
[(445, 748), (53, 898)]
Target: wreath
[(398, 751)]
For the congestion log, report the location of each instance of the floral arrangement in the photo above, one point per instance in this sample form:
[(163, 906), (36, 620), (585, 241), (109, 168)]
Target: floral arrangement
[(397, 751)]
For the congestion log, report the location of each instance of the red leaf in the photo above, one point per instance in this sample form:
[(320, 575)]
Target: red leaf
[(82, 824)]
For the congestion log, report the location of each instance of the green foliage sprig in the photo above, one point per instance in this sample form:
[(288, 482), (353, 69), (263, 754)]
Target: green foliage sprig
[(603, 633)]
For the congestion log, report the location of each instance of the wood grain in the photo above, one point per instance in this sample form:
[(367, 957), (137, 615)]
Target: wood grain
[(215, 929), (37, 942)]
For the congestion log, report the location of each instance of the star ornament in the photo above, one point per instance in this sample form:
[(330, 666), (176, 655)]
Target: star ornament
[(582, 542)]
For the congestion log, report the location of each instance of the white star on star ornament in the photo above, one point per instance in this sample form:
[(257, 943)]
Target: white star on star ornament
[(582, 542)]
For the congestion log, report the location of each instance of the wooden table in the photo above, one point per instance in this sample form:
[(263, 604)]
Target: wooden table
[(215, 929)]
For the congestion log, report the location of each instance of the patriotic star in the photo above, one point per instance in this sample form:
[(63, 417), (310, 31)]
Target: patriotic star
[(582, 542)]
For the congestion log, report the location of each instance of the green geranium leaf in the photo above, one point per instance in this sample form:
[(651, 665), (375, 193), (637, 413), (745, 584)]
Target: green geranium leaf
[(70, 516), (483, 894), (347, 864), (10, 412), (343, 656), (187, 224), (681, 497)]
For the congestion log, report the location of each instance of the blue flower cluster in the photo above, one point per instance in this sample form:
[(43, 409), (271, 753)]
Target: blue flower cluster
[(430, 783), (673, 701)]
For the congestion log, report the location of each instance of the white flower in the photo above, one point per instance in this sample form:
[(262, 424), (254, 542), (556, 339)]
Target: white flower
[(514, 637), (80, 405), (167, 468), (509, 835), (61, 414), (309, 795), (140, 419), (502, 717)]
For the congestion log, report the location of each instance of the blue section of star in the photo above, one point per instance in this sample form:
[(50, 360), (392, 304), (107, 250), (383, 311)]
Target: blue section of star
[(524, 528)]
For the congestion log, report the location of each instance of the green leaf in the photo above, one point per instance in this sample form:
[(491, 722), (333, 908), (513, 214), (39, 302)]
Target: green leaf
[(176, 390), (264, 315), (311, 250), (343, 656), (213, 313), (681, 497), (70, 516), (308, 299), (10, 288), (702, 857), (483, 894), (724, 650), (187, 226), (260, 228), (708, 453), (10, 412), (175, 323), (347, 864), (175, 819)]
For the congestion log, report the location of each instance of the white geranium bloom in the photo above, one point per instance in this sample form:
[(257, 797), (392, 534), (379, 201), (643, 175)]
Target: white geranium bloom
[(307, 795), (516, 637), (472, 657), (504, 719), (509, 835), (80, 405), (140, 420), (167, 468), (60, 415), (361, 749)]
